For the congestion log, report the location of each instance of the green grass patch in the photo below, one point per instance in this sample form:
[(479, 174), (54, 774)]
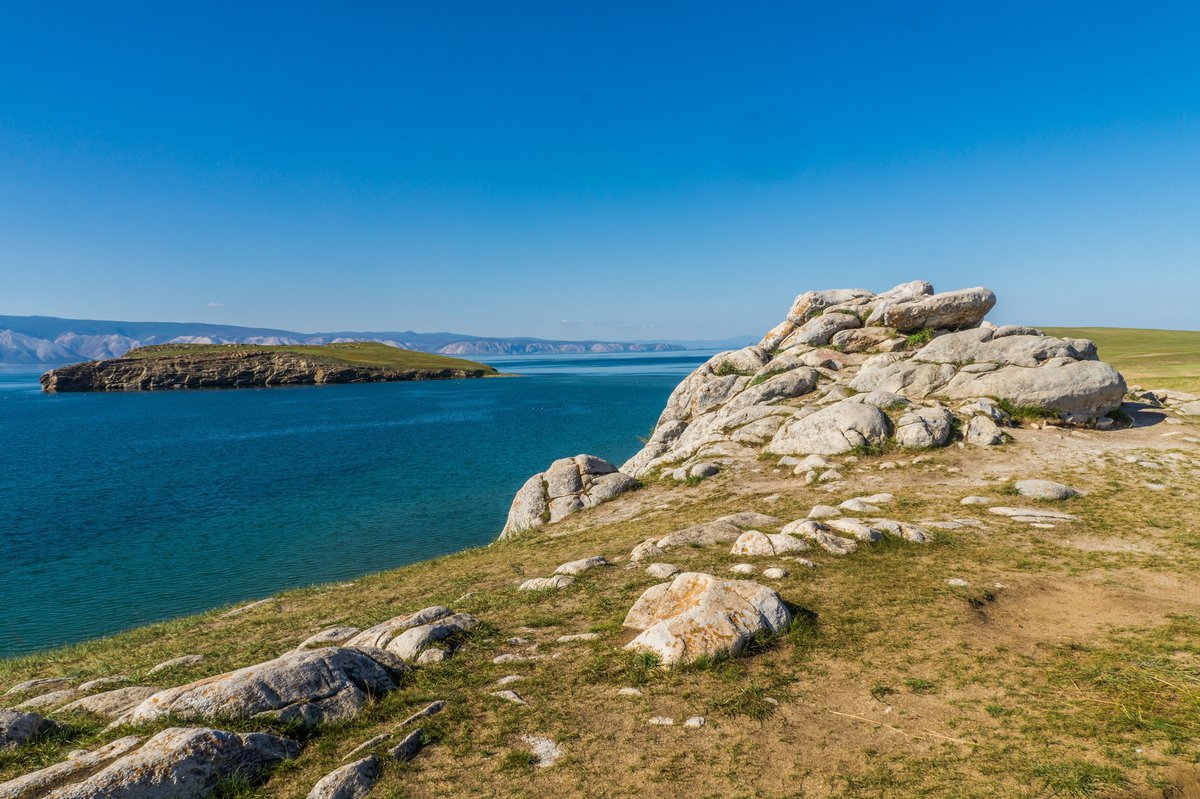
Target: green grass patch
[(351, 353)]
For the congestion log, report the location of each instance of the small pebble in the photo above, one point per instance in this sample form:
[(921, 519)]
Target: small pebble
[(662, 721)]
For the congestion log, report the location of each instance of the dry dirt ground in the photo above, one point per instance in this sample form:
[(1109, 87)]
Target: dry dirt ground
[(1069, 665)]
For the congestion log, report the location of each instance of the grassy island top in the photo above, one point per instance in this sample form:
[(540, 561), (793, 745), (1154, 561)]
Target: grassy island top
[(350, 353)]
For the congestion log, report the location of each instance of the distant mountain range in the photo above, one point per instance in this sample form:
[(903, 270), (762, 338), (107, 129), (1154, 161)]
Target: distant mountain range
[(48, 339)]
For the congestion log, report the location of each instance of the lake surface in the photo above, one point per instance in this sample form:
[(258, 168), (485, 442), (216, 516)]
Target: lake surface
[(121, 509)]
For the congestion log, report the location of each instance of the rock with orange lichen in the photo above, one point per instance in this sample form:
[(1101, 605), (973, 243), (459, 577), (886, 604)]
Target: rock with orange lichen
[(697, 615)]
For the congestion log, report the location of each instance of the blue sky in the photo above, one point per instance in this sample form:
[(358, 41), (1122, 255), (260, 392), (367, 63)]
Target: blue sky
[(601, 170)]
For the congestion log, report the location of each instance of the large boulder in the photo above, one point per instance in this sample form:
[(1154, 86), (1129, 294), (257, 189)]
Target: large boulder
[(1088, 388), (697, 615), (310, 686), (949, 310), (924, 428), (568, 486), (831, 431), (182, 763)]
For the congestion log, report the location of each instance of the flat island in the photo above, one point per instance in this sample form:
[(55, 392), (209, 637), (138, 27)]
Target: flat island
[(176, 366)]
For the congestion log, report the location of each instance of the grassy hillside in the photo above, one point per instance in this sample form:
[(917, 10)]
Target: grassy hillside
[(1149, 358), (355, 353), (1070, 666)]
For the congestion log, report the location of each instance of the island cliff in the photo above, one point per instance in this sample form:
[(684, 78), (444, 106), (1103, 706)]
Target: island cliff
[(245, 366)]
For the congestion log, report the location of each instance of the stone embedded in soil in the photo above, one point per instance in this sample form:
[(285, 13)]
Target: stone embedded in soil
[(545, 751), (307, 686), (1045, 489), (547, 583), (177, 663), (182, 763), (40, 684), (510, 696), (351, 781), (577, 567), (17, 728)]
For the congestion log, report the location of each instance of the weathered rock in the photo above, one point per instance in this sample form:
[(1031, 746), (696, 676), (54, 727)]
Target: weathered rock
[(351, 781), (510, 696), (824, 512), (1045, 489), (111, 704), (103, 682), (818, 331), (861, 339), (1091, 388), (754, 543), (832, 431), (662, 571), (856, 505), (409, 746), (904, 530), (856, 529), (775, 573), (182, 661), (924, 428), (949, 310), (810, 303), (577, 567), (310, 686), (35, 783), (380, 635), (547, 583), (790, 395), (568, 486), (40, 684), (894, 374), (182, 763), (50, 700), (698, 614), (411, 643), (17, 727), (981, 431), (334, 635), (1032, 514)]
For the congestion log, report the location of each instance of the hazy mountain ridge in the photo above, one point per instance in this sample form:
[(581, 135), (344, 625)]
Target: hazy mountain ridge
[(48, 339)]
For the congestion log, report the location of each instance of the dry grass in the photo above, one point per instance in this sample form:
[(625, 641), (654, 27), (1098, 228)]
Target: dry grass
[(1069, 667)]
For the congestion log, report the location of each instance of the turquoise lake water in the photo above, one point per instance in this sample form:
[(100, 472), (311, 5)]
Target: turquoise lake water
[(121, 509)]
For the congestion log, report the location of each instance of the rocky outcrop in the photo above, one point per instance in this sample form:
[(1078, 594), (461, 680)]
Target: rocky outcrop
[(697, 615), (568, 486), (309, 686), (234, 367), (849, 370), (177, 763)]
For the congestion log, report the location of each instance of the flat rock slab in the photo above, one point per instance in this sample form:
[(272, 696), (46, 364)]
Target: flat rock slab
[(1045, 489), (111, 704), (310, 686), (182, 763)]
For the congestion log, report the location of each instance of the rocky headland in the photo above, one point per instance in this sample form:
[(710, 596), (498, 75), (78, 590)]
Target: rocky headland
[(188, 366), (892, 550)]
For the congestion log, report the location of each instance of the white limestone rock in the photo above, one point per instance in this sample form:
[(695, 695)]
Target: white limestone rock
[(698, 614)]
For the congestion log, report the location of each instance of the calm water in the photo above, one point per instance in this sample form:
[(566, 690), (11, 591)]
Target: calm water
[(121, 509)]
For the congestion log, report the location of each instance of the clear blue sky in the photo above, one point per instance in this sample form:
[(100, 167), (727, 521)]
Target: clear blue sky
[(604, 170)]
